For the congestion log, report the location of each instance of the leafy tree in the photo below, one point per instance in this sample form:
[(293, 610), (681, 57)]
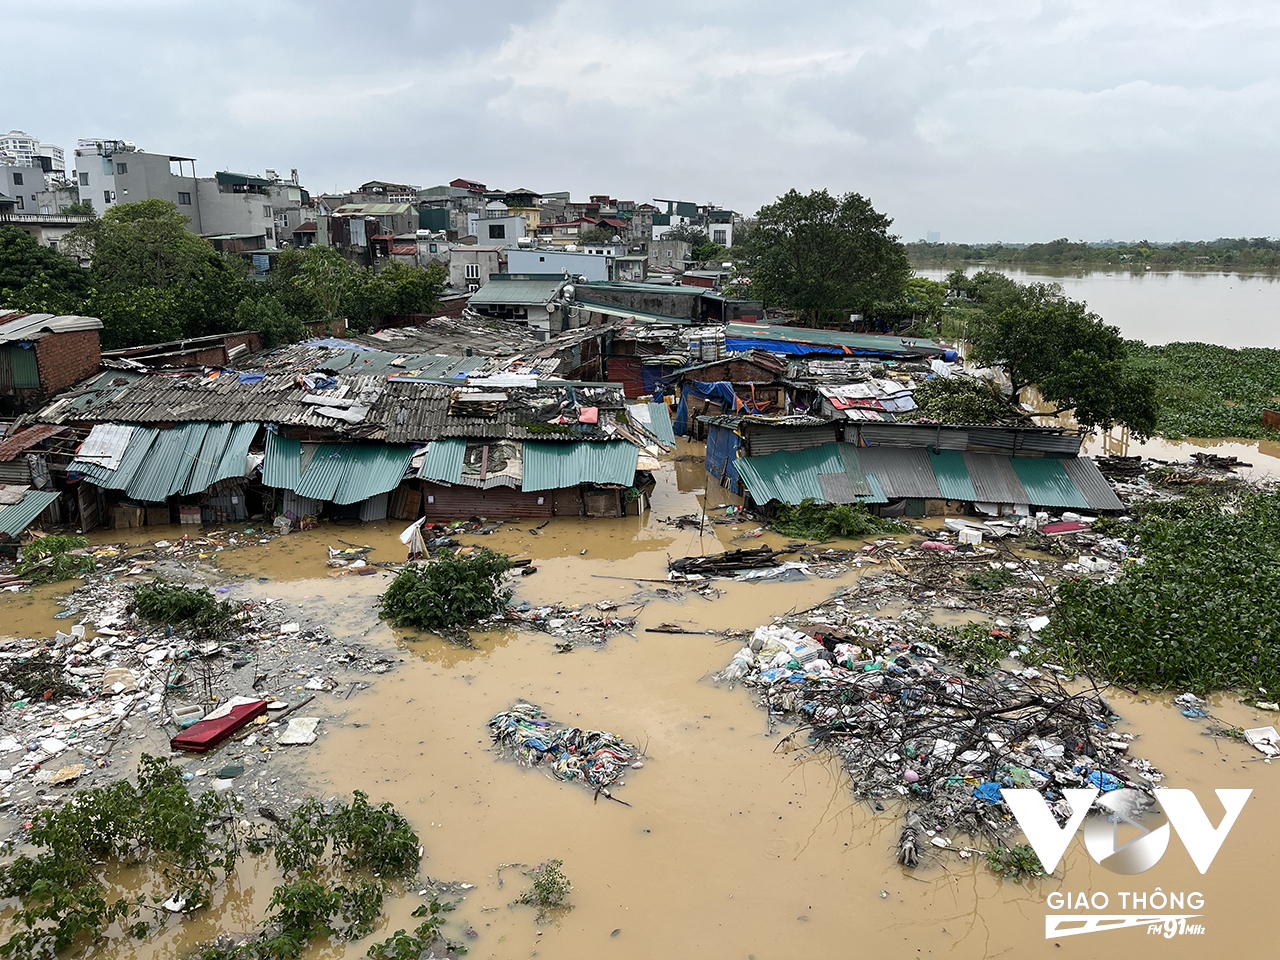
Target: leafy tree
[(597, 234), (413, 289), (1077, 362), (142, 244), (36, 278), (708, 251), (694, 236), (80, 208), (268, 316), (825, 256), (135, 316), (325, 276)]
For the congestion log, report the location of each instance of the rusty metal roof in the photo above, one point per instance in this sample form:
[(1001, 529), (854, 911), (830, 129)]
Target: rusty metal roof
[(20, 442)]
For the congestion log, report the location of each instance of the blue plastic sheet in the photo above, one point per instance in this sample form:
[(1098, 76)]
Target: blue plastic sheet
[(989, 792), (721, 392), (251, 377), (1104, 780), (722, 456)]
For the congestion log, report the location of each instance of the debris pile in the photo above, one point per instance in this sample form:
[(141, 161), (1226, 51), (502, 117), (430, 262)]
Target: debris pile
[(588, 623), (913, 724), (593, 757)]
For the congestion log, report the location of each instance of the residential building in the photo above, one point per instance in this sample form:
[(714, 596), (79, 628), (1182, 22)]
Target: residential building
[(520, 202), (720, 227), (532, 298), (574, 263), (109, 172), (21, 183), (471, 186), (380, 191), (669, 256), (471, 265), (496, 228), (23, 150), (633, 267), (237, 206)]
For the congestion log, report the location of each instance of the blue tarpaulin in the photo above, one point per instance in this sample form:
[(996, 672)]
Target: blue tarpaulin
[(721, 392), (722, 456)]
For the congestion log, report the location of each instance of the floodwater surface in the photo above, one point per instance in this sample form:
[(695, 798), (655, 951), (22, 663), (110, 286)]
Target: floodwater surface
[(1209, 306), (730, 848)]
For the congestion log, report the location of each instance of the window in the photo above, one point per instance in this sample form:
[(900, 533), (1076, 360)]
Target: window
[(84, 179), (122, 168), (106, 196), (266, 211), (473, 271), (497, 231), (271, 234), (718, 236), (184, 199), (472, 287), (431, 247), (20, 204), (17, 179), (542, 259)]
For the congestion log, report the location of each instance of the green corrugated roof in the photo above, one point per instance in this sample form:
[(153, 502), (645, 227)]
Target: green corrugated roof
[(16, 517), (323, 474), (792, 475), (372, 468), (520, 292), (444, 460), (235, 453), (660, 423), (552, 466), (282, 466), (953, 475), (1047, 483), (210, 455), (168, 463)]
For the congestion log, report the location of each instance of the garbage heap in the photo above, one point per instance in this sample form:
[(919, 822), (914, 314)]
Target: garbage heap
[(917, 727), (593, 757)]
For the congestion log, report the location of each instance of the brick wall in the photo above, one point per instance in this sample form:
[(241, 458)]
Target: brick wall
[(67, 358)]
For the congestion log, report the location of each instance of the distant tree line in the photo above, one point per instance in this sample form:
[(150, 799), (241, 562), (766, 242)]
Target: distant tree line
[(150, 280), (1259, 252)]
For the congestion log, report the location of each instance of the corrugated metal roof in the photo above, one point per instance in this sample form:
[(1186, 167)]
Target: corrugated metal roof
[(656, 418), (1047, 483), (520, 292), (833, 338), (1091, 483), (444, 461), (323, 474), (236, 452), (901, 472), (20, 442), (853, 470), (372, 469), (33, 326), (18, 516), (994, 480), (135, 455), (97, 390), (551, 466), (952, 474), (791, 476), (168, 463), (208, 458), (282, 465), (106, 444)]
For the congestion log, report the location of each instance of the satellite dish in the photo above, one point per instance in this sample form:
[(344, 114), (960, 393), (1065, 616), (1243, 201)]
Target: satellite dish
[(552, 307), (616, 239), (568, 291)]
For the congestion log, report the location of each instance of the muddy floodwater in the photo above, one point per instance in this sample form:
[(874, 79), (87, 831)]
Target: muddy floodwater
[(730, 848)]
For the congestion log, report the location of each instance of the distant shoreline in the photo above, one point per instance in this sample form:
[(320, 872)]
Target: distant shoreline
[(1082, 267)]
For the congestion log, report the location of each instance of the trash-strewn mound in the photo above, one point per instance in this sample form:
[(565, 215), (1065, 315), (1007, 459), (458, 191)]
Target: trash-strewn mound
[(914, 723), (594, 757)]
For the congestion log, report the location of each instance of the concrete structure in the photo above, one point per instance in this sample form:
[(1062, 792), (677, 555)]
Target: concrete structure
[(669, 256), (22, 149), (109, 172), (471, 265), (502, 230), (236, 206), (593, 266), (47, 229)]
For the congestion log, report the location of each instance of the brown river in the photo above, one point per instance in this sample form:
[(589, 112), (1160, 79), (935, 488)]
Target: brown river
[(729, 849)]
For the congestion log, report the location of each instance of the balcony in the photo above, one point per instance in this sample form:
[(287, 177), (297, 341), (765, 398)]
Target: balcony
[(43, 219)]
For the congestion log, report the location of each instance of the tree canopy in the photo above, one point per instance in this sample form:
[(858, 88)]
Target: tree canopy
[(825, 256), (1077, 362), (37, 279)]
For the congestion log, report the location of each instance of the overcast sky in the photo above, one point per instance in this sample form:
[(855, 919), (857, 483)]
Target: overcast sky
[(1013, 121)]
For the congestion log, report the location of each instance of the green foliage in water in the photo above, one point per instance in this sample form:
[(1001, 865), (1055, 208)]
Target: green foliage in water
[(976, 645), (411, 946), (962, 400), (1201, 613), (49, 559), (551, 888), (813, 520), (62, 889), (448, 592), (1015, 862), (191, 607), (1209, 391), (990, 580)]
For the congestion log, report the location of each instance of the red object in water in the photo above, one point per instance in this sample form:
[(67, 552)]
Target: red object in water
[(207, 734), (1064, 526), (935, 545)]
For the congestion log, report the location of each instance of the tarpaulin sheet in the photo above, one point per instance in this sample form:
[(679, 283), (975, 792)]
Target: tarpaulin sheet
[(721, 392)]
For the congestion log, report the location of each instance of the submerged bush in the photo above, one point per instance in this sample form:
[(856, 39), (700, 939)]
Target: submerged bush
[(1201, 613), (450, 591), (1015, 862), (192, 607), (813, 520), (551, 888), (49, 559)]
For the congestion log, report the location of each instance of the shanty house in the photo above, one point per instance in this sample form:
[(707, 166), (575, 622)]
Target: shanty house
[(41, 353)]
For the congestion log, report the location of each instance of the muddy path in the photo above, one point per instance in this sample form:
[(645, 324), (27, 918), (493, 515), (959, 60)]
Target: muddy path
[(730, 848)]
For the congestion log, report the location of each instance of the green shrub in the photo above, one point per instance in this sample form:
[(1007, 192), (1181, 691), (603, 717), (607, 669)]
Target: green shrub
[(192, 607), (961, 400), (49, 559), (551, 888), (450, 591), (1015, 862), (813, 520), (990, 580)]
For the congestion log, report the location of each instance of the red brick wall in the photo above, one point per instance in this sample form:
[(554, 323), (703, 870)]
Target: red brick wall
[(67, 358)]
